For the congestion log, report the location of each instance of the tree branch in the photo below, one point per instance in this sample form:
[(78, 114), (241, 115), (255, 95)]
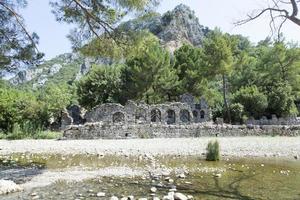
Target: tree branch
[(17, 17), (276, 11), (89, 15)]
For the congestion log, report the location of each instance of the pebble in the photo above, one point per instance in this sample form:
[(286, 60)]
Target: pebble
[(181, 176), (100, 194), (155, 198), (114, 198), (296, 157), (180, 196), (153, 189), (168, 198), (218, 175), (33, 194), (159, 185), (173, 190), (171, 180)]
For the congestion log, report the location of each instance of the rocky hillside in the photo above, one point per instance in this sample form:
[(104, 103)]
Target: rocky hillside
[(173, 29)]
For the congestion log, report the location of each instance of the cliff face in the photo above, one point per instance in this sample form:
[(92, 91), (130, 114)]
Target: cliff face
[(172, 28)]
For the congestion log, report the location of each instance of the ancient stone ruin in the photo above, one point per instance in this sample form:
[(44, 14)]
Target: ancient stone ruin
[(187, 118), (136, 117), (185, 112)]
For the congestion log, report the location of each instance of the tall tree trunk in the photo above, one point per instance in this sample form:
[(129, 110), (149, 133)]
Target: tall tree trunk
[(225, 99), (169, 97), (147, 98)]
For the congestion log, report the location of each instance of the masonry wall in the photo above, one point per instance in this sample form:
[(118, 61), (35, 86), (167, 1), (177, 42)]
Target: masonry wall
[(109, 131)]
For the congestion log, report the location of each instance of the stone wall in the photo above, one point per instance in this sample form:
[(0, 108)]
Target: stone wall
[(101, 130), (275, 121)]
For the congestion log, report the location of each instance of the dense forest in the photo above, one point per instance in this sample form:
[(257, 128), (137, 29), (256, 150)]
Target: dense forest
[(239, 79)]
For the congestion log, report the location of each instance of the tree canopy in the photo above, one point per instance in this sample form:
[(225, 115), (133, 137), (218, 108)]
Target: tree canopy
[(17, 45)]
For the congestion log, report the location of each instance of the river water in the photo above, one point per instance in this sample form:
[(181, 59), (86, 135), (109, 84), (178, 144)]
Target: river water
[(48, 176)]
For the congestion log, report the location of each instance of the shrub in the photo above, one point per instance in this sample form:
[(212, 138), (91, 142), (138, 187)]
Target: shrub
[(281, 101), (237, 112), (254, 101), (101, 85), (213, 151)]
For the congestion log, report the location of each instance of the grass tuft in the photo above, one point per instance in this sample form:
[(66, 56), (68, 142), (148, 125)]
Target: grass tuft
[(213, 151)]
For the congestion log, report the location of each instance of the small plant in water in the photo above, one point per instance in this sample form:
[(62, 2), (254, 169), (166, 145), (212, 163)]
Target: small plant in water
[(213, 151)]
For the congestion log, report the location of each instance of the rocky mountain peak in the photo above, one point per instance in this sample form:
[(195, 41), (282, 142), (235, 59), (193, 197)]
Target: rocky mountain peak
[(173, 28)]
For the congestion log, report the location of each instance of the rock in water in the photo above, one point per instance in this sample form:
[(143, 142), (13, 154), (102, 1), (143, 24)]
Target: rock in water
[(153, 189), (7, 187), (218, 175), (180, 196), (181, 175), (100, 194)]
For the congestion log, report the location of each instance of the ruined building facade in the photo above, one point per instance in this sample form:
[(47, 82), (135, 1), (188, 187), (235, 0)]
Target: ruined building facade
[(138, 119), (187, 118), (184, 112)]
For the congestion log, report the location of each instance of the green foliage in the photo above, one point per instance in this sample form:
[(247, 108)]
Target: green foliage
[(237, 113), (253, 101), (148, 74), (18, 134), (24, 114), (190, 68), (281, 100), (101, 85), (218, 51), (213, 151), (54, 99), (218, 58), (48, 135), (16, 106)]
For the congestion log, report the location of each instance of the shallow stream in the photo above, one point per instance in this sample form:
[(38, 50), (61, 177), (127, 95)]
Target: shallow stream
[(83, 176)]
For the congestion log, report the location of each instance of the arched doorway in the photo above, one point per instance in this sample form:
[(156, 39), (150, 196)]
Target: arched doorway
[(155, 115), (171, 117), (202, 114), (118, 117), (185, 116)]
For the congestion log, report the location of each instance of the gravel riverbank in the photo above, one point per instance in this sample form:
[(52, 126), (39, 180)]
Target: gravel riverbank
[(230, 146)]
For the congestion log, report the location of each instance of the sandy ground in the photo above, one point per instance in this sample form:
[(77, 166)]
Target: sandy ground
[(230, 146)]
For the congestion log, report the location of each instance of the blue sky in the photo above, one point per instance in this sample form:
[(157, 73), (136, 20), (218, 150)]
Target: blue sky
[(211, 13)]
